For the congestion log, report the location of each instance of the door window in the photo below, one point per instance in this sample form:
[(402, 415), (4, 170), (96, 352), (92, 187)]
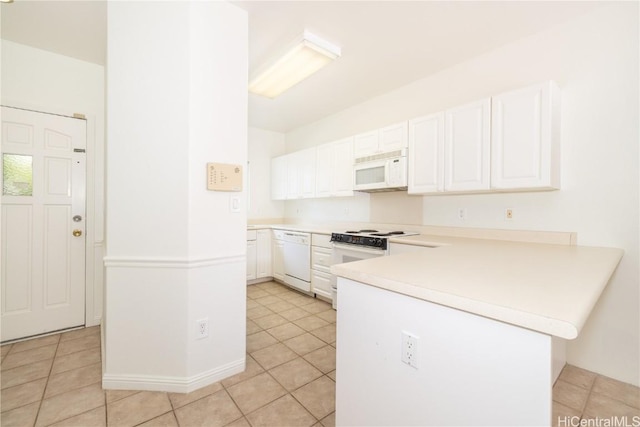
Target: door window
[(17, 175)]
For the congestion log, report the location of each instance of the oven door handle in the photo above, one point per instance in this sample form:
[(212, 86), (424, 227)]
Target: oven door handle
[(361, 249)]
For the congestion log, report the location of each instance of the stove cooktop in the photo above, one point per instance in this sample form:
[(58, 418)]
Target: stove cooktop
[(369, 238), (378, 233)]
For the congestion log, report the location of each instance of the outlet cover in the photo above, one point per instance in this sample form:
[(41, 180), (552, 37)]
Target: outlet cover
[(409, 349), (202, 328)]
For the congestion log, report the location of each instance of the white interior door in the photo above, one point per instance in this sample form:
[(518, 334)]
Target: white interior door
[(43, 223)]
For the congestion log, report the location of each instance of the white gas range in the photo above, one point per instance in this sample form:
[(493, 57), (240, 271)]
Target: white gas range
[(357, 245)]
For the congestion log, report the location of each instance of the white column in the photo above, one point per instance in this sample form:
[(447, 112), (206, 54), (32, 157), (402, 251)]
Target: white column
[(176, 99)]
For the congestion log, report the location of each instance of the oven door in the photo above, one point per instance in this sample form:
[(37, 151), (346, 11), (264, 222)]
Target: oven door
[(343, 253)]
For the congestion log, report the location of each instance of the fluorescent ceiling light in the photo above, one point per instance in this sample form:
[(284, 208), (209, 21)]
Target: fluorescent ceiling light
[(302, 60)]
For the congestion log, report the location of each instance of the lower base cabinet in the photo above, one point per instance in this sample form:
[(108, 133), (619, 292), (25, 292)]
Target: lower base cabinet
[(277, 255), (252, 254), (258, 255), (321, 260), (321, 283)]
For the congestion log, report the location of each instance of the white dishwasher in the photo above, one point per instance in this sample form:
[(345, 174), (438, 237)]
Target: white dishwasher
[(297, 260)]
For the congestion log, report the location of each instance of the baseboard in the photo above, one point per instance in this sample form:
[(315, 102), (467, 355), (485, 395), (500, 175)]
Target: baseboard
[(172, 384), (260, 280)]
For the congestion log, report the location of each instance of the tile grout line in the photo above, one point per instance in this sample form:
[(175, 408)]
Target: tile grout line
[(46, 384), (586, 401)]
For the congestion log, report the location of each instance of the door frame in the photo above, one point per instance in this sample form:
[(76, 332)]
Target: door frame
[(94, 226)]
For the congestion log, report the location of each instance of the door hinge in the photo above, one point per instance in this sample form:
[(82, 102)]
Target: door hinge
[(79, 116)]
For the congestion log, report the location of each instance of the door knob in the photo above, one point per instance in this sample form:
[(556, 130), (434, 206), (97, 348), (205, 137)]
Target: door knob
[(77, 233)]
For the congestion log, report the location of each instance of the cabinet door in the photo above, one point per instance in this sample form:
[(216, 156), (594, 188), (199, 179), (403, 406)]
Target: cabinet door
[(263, 254), (277, 256), (321, 283), (393, 137), (365, 144), (279, 178), (525, 140), (321, 258), (426, 154), (342, 168), (307, 172), (467, 141), (293, 180), (324, 166), (251, 259)]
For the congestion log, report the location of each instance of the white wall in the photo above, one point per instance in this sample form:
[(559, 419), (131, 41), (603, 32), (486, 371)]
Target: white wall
[(173, 107), (470, 370), (594, 58), (343, 209), (263, 146), (43, 81)]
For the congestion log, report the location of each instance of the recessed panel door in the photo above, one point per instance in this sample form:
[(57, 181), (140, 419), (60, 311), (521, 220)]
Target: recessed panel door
[(43, 223)]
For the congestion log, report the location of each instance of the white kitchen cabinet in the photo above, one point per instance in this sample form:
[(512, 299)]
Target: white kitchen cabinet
[(321, 261), (251, 254), (263, 254), (334, 169), (301, 174), (321, 284), (365, 144), (308, 172), (279, 178), (426, 154), (324, 178), (343, 168), (393, 137), (293, 181), (449, 151), (389, 138), (277, 255), (258, 254), (467, 144), (525, 138)]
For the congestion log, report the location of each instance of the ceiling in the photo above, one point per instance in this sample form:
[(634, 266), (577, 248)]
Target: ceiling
[(385, 44)]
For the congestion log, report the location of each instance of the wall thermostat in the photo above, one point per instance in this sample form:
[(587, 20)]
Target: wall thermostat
[(224, 177)]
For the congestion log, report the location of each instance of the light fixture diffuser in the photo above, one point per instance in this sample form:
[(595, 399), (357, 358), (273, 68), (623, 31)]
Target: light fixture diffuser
[(305, 58)]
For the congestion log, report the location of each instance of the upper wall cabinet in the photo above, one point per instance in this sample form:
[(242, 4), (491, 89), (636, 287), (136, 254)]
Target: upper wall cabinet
[(508, 142), (389, 138), (279, 178), (301, 174), (449, 151), (334, 169), (466, 147), (426, 154), (525, 138)]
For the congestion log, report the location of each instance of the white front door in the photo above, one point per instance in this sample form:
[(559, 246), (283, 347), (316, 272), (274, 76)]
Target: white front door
[(43, 223)]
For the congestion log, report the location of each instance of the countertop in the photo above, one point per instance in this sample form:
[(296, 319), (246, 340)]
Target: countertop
[(293, 227), (544, 287)]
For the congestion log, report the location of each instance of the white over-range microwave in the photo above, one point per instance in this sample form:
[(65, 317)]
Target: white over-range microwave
[(381, 172)]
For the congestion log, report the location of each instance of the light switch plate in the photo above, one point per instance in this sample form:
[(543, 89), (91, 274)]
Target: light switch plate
[(234, 204)]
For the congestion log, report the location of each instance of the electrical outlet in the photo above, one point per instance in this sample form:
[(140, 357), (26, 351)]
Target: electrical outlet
[(410, 349), (462, 214), (202, 330), (508, 214)]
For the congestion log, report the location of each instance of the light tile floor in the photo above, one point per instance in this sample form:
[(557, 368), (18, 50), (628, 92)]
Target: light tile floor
[(289, 380)]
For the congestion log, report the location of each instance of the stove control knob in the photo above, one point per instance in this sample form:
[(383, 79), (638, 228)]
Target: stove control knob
[(379, 242)]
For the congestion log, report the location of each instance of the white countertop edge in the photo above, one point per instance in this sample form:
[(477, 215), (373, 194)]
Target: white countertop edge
[(546, 325)]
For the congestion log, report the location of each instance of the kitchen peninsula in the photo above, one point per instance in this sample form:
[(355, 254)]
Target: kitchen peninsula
[(481, 322)]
